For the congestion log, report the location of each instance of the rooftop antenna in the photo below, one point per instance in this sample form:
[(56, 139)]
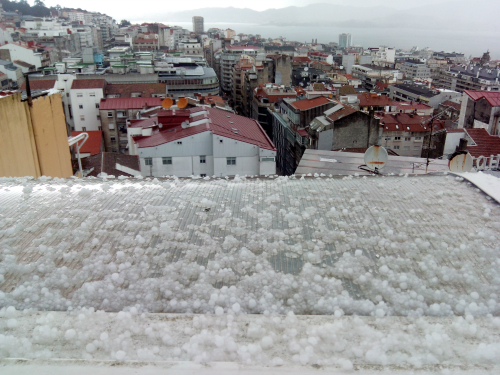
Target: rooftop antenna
[(375, 159)]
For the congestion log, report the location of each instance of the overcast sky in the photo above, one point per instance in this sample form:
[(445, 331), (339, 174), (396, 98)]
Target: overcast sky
[(133, 9)]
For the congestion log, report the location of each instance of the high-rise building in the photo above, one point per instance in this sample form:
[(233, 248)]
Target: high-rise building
[(345, 40), (198, 25)]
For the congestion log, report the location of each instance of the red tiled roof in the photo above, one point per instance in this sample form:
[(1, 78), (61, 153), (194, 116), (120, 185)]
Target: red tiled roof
[(125, 90), (88, 84), (341, 113), (367, 99), (41, 84), (449, 103), (303, 59), (492, 97), (93, 145), (486, 144), (221, 123), (238, 46), (407, 122), (106, 162), (129, 103), (144, 40), (306, 104), (410, 105), (303, 133)]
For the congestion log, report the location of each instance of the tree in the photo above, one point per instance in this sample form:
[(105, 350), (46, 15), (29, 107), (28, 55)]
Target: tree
[(124, 23), (39, 3)]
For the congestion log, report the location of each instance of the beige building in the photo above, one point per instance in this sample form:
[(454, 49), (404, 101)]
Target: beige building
[(34, 138)]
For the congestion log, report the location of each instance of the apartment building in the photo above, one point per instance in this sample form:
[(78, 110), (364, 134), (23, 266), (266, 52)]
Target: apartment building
[(480, 109), (201, 141), (421, 93), (382, 55), (404, 132), (187, 79), (470, 77), (115, 116), (228, 58), (13, 73), (86, 95), (414, 70), (370, 74), (31, 53), (198, 25), (191, 47)]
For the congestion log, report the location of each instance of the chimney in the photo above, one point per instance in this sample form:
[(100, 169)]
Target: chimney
[(462, 146)]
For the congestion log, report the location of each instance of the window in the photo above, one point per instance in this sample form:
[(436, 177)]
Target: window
[(407, 138), (179, 142), (416, 148), (231, 161), (167, 160), (92, 94), (387, 138), (84, 128), (136, 95), (98, 117), (203, 175), (267, 159), (80, 106), (148, 161), (110, 114), (99, 127), (221, 141), (397, 138), (418, 138), (396, 147), (97, 105), (406, 148), (111, 126), (79, 95), (82, 118), (67, 94), (203, 159), (112, 139)]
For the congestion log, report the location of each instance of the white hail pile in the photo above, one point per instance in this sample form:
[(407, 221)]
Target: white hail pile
[(374, 246)]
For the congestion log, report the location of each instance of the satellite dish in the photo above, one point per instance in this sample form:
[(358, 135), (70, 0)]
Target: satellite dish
[(460, 163), (306, 69), (182, 103), (376, 158), (167, 103)]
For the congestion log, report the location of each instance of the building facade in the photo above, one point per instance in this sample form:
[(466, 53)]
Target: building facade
[(198, 25)]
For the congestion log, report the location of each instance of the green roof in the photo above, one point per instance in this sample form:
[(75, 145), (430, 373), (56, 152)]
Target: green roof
[(127, 55), (49, 68), (119, 66)]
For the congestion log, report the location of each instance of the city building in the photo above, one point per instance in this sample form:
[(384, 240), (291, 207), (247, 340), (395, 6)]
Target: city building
[(480, 109), (268, 95), (230, 57), (187, 79), (414, 70), (404, 132), (370, 75), (345, 40), (85, 96), (421, 93), (383, 56), (201, 141), (116, 114), (93, 145), (343, 126), (198, 25), (483, 146), (470, 77), (111, 164), (29, 52), (13, 73), (369, 101)]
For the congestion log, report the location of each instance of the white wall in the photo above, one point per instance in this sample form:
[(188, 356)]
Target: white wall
[(186, 157), (452, 141), (89, 110), (24, 54), (64, 82)]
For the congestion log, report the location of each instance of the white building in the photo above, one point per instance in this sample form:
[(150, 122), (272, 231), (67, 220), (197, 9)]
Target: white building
[(381, 55), (201, 141), (85, 95), (345, 40), (77, 16), (26, 52)]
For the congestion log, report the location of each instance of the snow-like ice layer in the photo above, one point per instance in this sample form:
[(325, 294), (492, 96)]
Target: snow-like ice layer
[(487, 183), (379, 246), (346, 343)]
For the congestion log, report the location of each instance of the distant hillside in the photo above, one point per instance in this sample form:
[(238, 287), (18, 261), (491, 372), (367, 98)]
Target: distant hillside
[(22, 7), (453, 15)]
